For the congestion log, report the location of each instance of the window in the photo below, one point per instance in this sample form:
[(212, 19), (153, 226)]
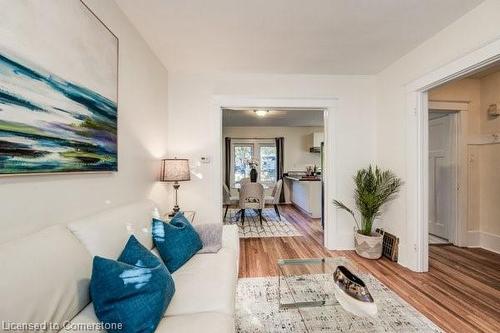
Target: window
[(242, 154), (261, 150), (267, 164)]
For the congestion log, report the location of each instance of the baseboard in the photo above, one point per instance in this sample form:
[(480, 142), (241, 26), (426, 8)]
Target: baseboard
[(300, 209), (484, 240), (490, 242), (473, 239)]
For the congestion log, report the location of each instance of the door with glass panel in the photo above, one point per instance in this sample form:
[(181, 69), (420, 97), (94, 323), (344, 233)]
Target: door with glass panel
[(242, 154), (267, 164), (264, 153)]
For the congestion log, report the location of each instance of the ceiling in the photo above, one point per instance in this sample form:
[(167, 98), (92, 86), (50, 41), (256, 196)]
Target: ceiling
[(289, 36), (281, 118)]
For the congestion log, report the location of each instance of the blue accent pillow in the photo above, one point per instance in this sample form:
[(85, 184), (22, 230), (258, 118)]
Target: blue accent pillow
[(133, 291), (177, 241)]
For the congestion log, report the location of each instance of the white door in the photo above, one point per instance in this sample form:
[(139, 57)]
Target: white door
[(442, 186)]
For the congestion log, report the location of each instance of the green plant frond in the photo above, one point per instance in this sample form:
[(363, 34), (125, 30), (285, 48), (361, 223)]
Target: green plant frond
[(341, 205), (373, 189)]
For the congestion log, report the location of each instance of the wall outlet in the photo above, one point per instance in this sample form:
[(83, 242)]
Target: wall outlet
[(205, 159)]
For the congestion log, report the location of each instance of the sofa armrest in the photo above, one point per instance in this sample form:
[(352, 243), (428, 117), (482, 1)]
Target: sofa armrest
[(231, 239)]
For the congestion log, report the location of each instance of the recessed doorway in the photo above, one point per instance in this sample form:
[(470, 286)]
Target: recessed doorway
[(273, 163), (443, 169), (415, 250), (328, 173)]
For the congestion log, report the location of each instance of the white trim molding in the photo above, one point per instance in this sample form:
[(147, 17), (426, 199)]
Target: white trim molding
[(484, 240), (448, 106), (467, 64), (473, 239), (414, 246)]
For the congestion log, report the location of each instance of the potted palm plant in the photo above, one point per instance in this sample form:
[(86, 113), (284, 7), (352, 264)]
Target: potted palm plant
[(374, 188)]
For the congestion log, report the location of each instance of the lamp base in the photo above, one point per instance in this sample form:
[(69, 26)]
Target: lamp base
[(176, 207), (174, 211)]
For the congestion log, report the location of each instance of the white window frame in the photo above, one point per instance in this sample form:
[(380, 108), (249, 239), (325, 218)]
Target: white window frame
[(233, 146), (258, 158), (256, 143)]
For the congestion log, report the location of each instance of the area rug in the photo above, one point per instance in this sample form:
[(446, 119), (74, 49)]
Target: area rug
[(257, 311), (272, 226)]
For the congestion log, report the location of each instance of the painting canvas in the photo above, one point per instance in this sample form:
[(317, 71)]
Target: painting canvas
[(58, 88)]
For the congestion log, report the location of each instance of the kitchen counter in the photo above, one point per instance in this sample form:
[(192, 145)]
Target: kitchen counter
[(304, 179), (305, 193)]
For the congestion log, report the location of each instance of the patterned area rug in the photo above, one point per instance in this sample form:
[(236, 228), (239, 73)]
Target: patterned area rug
[(257, 311), (272, 226)]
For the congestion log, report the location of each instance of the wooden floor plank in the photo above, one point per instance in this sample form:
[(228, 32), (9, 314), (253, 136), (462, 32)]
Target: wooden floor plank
[(460, 293)]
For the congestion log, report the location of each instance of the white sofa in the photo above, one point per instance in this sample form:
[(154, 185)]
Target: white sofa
[(45, 276)]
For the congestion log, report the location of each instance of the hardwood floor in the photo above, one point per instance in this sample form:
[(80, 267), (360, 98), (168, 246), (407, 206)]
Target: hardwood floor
[(460, 293)]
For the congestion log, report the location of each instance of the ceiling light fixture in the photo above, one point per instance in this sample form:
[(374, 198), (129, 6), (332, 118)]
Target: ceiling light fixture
[(261, 113)]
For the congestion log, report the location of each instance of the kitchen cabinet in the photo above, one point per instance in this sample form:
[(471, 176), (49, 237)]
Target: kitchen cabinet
[(315, 140), (306, 195), (318, 137)]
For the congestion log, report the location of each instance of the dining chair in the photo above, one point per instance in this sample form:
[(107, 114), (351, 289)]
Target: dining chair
[(251, 197), (228, 199), (274, 198)]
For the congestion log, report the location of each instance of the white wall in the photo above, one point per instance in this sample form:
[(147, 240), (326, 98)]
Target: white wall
[(191, 132), (29, 203), (475, 29)]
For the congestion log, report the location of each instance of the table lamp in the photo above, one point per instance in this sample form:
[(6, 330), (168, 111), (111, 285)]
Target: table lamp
[(174, 170)]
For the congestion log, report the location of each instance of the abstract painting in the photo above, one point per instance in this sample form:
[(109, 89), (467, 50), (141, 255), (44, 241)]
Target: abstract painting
[(58, 89)]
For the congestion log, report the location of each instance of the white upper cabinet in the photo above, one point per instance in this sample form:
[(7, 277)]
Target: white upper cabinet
[(315, 139), (318, 137)]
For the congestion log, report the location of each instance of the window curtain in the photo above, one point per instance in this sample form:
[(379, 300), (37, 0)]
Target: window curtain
[(227, 143), (280, 158)]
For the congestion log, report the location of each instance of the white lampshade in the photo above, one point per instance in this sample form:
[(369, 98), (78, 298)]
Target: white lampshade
[(175, 170)]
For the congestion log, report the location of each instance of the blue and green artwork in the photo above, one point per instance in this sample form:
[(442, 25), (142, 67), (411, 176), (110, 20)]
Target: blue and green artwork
[(48, 124)]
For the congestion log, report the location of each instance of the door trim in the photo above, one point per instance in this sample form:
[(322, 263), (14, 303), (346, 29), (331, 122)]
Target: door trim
[(414, 251), (331, 240), (448, 106)]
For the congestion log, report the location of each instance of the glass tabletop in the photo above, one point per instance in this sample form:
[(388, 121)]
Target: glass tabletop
[(309, 282)]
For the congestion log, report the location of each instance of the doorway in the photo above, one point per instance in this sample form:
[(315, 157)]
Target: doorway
[(222, 102), (443, 181), (416, 253), (273, 171)]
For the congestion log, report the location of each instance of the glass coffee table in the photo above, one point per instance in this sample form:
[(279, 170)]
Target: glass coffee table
[(309, 282)]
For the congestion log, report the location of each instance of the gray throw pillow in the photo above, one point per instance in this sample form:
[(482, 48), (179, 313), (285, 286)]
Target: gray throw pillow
[(211, 237)]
